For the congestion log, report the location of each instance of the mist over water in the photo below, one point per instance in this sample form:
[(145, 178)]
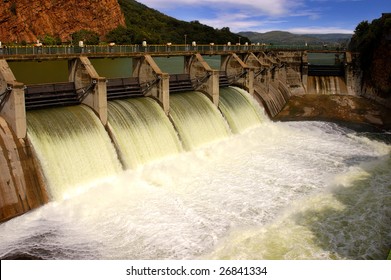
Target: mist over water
[(299, 190)]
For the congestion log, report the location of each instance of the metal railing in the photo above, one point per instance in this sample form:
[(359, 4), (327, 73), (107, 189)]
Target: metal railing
[(10, 51)]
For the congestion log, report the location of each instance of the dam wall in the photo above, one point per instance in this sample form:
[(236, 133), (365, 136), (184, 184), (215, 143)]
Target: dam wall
[(270, 78), (21, 184)]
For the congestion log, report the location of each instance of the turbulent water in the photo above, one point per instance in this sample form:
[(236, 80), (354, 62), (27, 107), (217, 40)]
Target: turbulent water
[(299, 190)]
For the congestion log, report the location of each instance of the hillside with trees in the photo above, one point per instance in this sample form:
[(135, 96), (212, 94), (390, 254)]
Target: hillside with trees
[(287, 38), (373, 42), (143, 22)]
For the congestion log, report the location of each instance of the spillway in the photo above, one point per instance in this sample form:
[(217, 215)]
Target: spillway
[(295, 190), (196, 119), (141, 131), (326, 85), (73, 148), (239, 110)]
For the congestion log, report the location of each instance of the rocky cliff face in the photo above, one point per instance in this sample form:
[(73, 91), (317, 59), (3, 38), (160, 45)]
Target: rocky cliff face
[(376, 83), (28, 19)]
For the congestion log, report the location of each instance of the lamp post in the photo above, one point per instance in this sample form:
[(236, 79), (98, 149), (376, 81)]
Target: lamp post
[(185, 42)]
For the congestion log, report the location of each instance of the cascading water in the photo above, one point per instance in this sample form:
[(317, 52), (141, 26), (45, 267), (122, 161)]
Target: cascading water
[(196, 119), (238, 109), (326, 85), (298, 190), (73, 148), (141, 131)]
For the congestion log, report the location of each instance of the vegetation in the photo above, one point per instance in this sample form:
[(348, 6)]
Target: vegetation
[(50, 40), (373, 42), (143, 23), (287, 38), (121, 35), (87, 36), (13, 8), (367, 36)]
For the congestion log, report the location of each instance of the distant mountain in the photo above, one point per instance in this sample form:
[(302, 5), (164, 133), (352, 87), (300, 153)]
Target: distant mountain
[(287, 38)]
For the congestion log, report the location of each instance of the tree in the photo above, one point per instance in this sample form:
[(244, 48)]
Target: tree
[(87, 36), (121, 35), (50, 40)]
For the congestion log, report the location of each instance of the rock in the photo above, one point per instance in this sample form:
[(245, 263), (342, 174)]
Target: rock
[(345, 108), (25, 20)]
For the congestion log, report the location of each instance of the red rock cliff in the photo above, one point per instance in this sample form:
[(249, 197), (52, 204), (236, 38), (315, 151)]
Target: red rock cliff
[(28, 19)]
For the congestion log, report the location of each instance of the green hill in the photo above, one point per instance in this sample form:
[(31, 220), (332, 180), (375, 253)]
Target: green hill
[(143, 22), (287, 38)]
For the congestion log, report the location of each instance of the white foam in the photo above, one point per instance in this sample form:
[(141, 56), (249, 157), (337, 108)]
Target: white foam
[(276, 191)]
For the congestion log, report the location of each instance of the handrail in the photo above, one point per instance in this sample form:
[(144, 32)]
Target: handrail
[(15, 51)]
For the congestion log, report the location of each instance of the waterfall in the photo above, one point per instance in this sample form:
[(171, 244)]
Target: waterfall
[(273, 99), (196, 119), (285, 190), (73, 148), (326, 85), (141, 131), (240, 112)]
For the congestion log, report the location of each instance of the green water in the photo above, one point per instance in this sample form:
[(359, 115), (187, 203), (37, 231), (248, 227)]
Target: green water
[(325, 58), (34, 72)]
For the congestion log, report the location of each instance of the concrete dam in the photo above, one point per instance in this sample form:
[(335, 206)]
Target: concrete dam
[(168, 113), (173, 155)]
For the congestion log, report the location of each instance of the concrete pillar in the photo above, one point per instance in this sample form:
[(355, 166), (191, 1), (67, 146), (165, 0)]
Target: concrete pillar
[(304, 70), (84, 75), (163, 92), (249, 81), (258, 71), (158, 83), (13, 105), (207, 78), (240, 72), (349, 76)]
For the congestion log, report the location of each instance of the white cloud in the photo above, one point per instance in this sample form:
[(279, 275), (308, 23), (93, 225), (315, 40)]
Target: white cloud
[(250, 15), (239, 22), (266, 7), (318, 30)]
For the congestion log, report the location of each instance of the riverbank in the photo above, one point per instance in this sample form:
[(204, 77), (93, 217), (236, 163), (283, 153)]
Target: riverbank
[(340, 108)]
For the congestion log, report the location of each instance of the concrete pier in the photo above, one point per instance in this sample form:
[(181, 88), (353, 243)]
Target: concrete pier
[(12, 100), (206, 79), (90, 86), (155, 80), (238, 72)]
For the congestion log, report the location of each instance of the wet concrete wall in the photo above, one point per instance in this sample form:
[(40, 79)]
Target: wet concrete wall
[(21, 186)]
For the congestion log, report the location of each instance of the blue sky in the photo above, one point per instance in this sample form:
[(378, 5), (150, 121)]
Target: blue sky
[(296, 16)]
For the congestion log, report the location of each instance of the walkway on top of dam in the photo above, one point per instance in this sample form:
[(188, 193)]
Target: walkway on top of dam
[(19, 53)]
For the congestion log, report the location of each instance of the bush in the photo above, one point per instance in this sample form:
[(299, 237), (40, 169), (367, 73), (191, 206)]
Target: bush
[(120, 35), (50, 40), (87, 36)]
